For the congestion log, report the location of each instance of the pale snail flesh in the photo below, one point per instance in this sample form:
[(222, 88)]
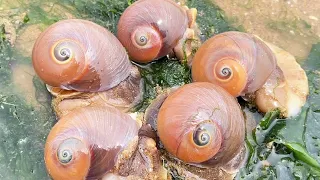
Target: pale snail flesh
[(144, 164), (124, 96), (151, 29), (201, 123), (239, 62), (287, 88), (89, 142), (80, 55)]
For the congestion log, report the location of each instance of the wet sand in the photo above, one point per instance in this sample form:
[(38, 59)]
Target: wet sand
[(290, 24)]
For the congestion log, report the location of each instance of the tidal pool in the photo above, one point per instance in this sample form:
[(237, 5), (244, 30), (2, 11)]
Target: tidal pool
[(278, 149)]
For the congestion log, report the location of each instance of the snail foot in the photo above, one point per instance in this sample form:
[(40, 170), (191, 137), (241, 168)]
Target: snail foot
[(190, 42), (187, 46), (145, 163), (286, 88), (125, 96)]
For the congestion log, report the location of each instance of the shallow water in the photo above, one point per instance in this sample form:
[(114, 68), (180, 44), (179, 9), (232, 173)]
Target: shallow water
[(293, 25), (25, 113)]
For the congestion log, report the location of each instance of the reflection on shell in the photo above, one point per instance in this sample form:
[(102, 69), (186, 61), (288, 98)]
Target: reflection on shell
[(161, 23), (239, 62), (206, 105), (88, 142), (80, 55)]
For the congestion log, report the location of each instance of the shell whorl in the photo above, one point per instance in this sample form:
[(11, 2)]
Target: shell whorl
[(87, 142), (164, 21), (80, 55), (249, 60), (195, 105)]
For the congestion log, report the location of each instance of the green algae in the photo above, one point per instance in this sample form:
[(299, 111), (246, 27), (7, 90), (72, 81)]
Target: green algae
[(278, 148), (103, 12), (164, 73), (211, 19), (288, 148), (23, 127)]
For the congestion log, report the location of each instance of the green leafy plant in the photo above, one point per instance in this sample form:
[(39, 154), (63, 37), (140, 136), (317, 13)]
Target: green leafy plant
[(288, 148)]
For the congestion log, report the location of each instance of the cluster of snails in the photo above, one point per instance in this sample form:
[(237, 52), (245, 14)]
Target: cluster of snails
[(199, 123)]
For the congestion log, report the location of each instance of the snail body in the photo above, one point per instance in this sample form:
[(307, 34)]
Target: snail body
[(88, 142), (239, 62), (201, 123), (126, 95), (151, 29), (286, 89), (80, 55)]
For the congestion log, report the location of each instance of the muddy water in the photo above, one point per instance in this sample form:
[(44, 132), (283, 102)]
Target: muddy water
[(293, 25)]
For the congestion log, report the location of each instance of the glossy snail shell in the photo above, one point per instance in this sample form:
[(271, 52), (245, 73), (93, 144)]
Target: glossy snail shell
[(150, 29), (239, 62), (201, 123), (80, 55), (87, 142)]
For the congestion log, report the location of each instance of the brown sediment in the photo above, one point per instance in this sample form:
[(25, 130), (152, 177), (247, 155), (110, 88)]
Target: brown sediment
[(292, 25)]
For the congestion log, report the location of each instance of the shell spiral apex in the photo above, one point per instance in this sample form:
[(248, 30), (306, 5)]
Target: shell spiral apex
[(150, 29), (201, 123), (80, 55), (239, 62), (87, 142)]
